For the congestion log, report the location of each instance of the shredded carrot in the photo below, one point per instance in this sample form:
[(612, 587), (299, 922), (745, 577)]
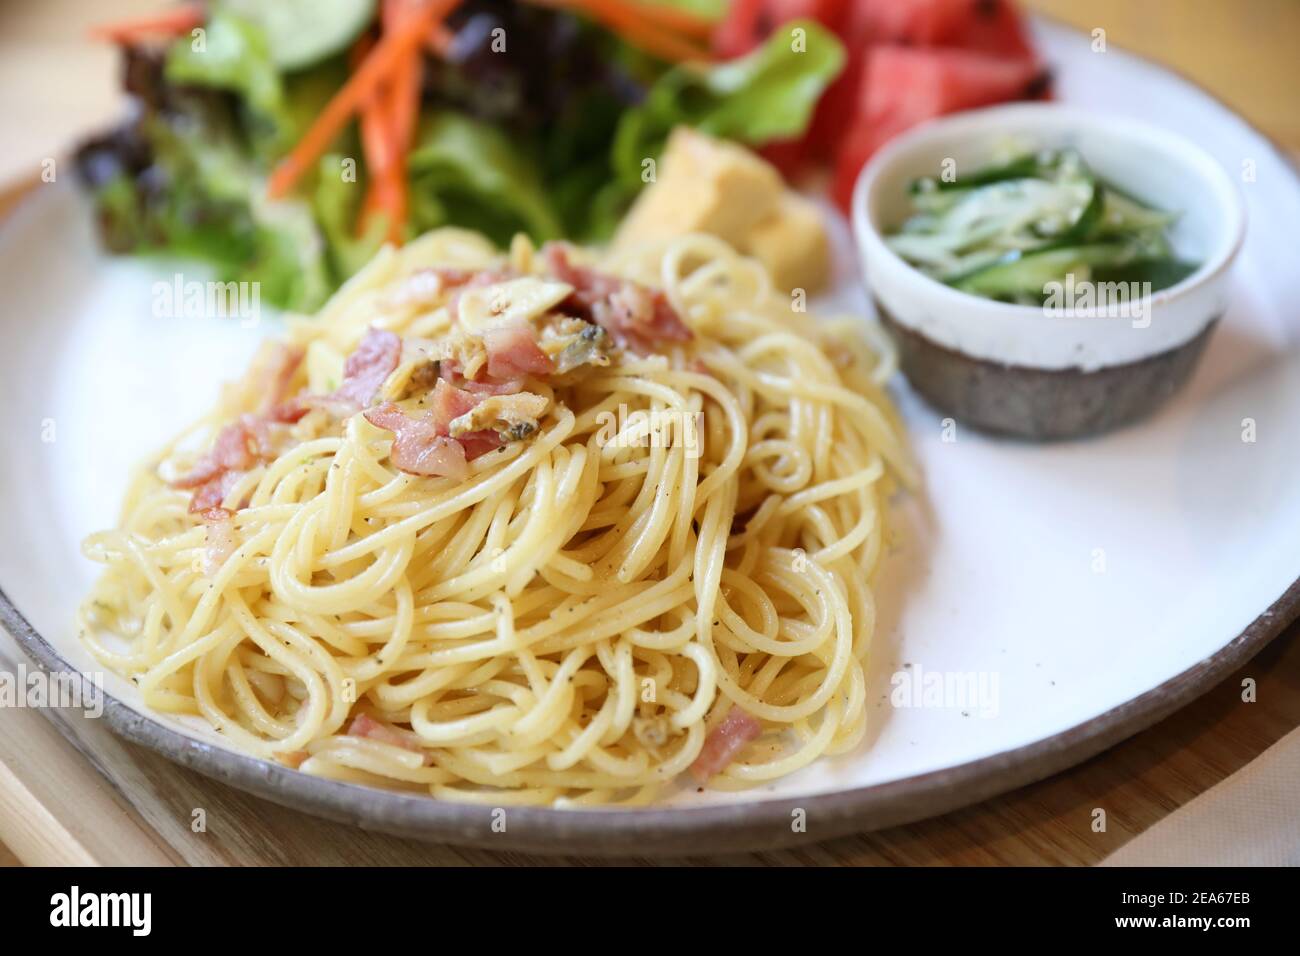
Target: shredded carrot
[(439, 41), (404, 95), (627, 20), (360, 86), (169, 23), (388, 129), (676, 19), (376, 143)]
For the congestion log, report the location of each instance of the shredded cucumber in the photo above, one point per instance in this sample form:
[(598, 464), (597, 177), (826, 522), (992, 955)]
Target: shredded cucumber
[(1007, 231)]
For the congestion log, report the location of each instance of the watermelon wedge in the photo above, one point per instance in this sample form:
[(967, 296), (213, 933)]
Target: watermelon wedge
[(985, 26), (904, 86), (749, 22)]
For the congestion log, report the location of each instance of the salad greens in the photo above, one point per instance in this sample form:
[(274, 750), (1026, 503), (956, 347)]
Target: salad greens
[(300, 33), (466, 172), (234, 56), (768, 95), (547, 135), (1008, 231)]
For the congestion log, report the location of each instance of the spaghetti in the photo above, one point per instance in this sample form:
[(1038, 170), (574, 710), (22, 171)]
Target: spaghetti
[(473, 572)]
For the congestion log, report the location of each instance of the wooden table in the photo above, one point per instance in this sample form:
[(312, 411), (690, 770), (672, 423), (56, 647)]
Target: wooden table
[(56, 807)]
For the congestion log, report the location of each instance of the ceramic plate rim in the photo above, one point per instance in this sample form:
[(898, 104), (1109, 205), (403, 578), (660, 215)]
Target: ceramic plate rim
[(692, 830)]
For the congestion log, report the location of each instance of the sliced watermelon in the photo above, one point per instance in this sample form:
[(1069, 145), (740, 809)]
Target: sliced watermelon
[(742, 29), (749, 22), (791, 156), (904, 86), (987, 26), (837, 106)]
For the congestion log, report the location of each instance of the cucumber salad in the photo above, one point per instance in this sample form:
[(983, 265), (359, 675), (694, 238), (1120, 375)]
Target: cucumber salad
[(1007, 231)]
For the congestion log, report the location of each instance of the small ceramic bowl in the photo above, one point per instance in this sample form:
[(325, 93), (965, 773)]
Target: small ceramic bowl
[(1024, 370)]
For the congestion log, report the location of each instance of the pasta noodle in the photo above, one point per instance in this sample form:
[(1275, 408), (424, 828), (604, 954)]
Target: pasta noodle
[(687, 532)]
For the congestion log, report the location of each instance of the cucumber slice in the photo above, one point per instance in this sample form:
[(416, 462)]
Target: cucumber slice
[(1088, 219), (1023, 277), (1007, 231), (936, 202), (1124, 215), (303, 32), (1024, 167), (1161, 273), (1006, 214)]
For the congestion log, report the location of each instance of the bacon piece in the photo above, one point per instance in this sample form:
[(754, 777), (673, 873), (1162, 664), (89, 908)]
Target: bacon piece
[(374, 359), (239, 446), (363, 725), (278, 374), (724, 742), (213, 492), (235, 449), (243, 443), (418, 448), (422, 445), (221, 540), (512, 351), (636, 316), (449, 371), (479, 443), (259, 435), (449, 402), (288, 412)]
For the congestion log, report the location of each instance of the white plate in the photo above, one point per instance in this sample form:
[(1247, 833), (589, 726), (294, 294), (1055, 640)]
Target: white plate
[(1098, 583)]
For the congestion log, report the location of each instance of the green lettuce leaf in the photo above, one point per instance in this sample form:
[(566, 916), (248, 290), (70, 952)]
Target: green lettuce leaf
[(213, 207), (233, 55), (470, 174), (770, 94), (305, 32), (337, 204)]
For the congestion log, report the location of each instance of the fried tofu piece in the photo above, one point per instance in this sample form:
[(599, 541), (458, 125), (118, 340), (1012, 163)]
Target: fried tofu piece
[(703, 185), (792, 243), (717, 187)]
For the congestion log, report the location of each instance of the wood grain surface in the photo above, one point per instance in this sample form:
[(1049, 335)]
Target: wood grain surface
[(109, 802), (1242, 51)]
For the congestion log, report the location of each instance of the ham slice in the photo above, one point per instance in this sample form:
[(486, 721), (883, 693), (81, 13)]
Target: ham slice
[(635, 316), (373, 360), (512, 351), (287, 412), (449, 402), (278, 376), (234, 450), (449, 370), (418, 447), (479, 443), (363, 725), (724, 742), (242, 444), (239, 447), (213, 492)]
